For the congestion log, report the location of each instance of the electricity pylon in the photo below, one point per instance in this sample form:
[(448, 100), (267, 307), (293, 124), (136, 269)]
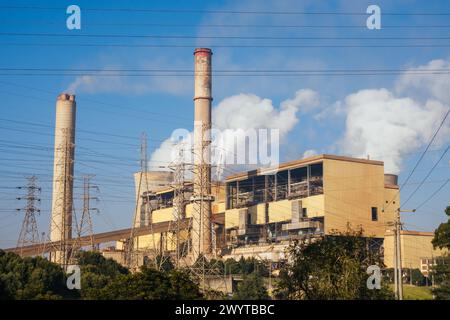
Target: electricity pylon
[(204, 264), (179, 202), (29, 234), (85, 227), (131, 245)]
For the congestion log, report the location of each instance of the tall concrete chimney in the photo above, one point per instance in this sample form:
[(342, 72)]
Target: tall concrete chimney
[(201, 215), (63, 163)]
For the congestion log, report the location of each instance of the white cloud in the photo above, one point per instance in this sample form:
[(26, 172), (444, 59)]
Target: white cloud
[(387, 127), (247, 112), (106, 82), (429, 84), (334, 110), (309, 153)]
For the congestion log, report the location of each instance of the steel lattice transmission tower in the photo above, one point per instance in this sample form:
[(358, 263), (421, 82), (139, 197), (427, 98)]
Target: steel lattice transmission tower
[(131, 255), (85, 227), (179, 203), (29, 234)]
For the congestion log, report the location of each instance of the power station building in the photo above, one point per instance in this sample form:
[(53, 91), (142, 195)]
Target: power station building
[(258, 213), (316, 195), (254, 213)]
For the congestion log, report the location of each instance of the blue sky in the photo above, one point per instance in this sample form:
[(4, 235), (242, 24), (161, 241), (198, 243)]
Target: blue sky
[(127, 106)]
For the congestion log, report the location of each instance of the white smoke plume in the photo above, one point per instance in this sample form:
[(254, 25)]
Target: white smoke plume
[(244, 112), (433, 82), (387, 127)]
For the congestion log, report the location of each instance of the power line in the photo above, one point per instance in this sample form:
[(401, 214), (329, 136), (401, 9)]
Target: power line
[(432, 195), (155, 36), (279, 74), (203, 11), (262, 26), (426, 177), (420, 158), (426, 149), (96, 102), (191, 71), (112, 45)]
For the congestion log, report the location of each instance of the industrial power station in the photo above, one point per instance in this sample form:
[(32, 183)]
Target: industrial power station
[(254, 213)]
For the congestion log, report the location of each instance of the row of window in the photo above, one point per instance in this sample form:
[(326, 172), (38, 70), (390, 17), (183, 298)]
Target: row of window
[(290, 183)]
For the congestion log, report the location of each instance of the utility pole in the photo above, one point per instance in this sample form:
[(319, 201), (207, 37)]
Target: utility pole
[(398, 274), (29, 232), (410, 276)]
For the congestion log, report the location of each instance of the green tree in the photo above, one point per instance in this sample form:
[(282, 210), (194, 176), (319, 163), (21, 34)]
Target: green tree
[(442, 233), (441, 271), (246, 266), (32, 278), (151, 284), (251, 288), (163, 263), (97, 272), (417, 278), (331, 267)]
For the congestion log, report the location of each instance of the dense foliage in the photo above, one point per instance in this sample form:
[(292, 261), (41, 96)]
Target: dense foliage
[(97, 272), (240, 267), (441, 271), (246, 266), (32, 278), (442, 233), (441, 279), (251, 288), (332, 267), (38, 278), (411, 276), (151, 284)]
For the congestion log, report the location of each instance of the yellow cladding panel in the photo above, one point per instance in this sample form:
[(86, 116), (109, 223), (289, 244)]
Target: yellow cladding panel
[(218, 191), (351, 189), (189, 210), (391, 203), (232, 218), (154, 241), (280, 211), (162, 215), (148, 241), (259, 214), (314, 206), (415, 245), (166, 214), (218, 207)]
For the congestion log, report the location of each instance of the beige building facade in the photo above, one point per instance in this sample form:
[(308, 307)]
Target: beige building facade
[(316, 195), (416, 248), (262, 211)]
